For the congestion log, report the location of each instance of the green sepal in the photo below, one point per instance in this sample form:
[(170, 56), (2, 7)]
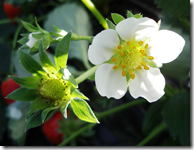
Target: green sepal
[(64, 108), (24, 94), (61, 52), (40, 29), (46, 112), (30, 64), (83, 110), (28, 82), (110, 24), (117, 18), (128, 77), (23, 41), (68, 76), (138, 16), (34, 120), (77, 94), (44, 59), (37, 104), (26, 35), (30, 27), (130, 14)]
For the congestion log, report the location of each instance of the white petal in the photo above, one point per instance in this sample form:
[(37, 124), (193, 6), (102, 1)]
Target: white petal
[(110, 82), (103, 46), (32, 40), (140, 29), (148, 84), (166, 46)]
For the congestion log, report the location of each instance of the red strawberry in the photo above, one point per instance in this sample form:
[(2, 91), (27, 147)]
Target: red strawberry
[(7, 87), (51, 126), (11, 10)]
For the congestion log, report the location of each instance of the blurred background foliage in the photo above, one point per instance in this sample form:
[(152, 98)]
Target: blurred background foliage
[(125, 128)]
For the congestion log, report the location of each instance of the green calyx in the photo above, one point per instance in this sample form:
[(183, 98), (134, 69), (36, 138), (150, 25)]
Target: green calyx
[(54, 89)]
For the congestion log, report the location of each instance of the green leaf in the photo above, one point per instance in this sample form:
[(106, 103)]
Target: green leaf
[(110, 24), (30, 64), (176, 114), (61, 52), (67, 17), (178, 8), (29, 82), (78, 94), (46, 112), (117, 18), (83, 111), (30, 27), (153, 116), (23, 40), (34, 120), (44, 59), (129, 14), (37, 104), (24, 94)]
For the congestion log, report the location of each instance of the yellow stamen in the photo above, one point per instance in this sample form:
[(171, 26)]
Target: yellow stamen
[(130, 53), (123, 65), (123, 73), (146, 46), (115, 67), (130, 71), (114, 59), (120, 47), (142, 51), (134, 47), (150, 57), (143, 63), (133, 76), (140, 43), (146, 68), (139, 67), (121, 53), (128, 43)]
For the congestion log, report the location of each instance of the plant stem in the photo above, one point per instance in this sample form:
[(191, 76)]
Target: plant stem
[(86, 75), (101, 115), (96, 13), (66, 141), (153, 134), (119, 108), (186, 23), (77, 37)]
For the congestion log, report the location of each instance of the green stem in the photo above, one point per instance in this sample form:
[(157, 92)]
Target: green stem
[(153, 134), (66, 141), (186, 23), (119, 108), (95, 12), (101, 115), (76, 38), (14, 44), (86, 75)]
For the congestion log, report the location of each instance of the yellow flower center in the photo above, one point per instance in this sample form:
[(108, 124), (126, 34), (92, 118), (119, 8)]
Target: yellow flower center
[(54, 90), (130, 56)]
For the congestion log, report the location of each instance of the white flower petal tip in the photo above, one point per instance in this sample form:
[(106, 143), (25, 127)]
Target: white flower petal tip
[(141, 28), (32, 40), (102, 47), (148, 84), (109, 82), (167, 45)]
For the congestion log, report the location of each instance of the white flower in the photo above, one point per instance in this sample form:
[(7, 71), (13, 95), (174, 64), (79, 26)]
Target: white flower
[(133, 61), (32, 40)]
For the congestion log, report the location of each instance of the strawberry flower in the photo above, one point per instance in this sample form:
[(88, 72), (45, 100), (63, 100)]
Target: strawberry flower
[(131, 55)]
